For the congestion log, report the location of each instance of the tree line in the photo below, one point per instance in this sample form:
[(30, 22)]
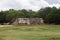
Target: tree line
[(51, 15)]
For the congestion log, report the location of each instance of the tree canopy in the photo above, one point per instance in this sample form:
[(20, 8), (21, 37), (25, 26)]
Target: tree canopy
[(50, 15)]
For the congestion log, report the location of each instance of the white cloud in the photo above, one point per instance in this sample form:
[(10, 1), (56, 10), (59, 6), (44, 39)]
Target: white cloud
[(24, 4), (32, 4), (56, 5)]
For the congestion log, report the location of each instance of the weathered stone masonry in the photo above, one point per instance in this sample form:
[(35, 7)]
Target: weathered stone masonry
[(28, 21)]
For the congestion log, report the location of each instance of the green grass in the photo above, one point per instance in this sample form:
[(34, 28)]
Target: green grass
[(37, 32)]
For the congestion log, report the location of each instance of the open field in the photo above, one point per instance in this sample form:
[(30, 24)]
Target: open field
[(37, 32)]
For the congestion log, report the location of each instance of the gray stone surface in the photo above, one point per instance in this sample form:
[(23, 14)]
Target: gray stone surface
[(28, 21)]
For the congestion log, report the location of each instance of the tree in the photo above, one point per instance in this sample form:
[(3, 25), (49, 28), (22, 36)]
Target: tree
[(2, 17), (43, 12), (54, 16), (31, 14)]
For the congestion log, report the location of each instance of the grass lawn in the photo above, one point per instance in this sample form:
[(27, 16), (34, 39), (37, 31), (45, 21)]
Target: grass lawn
[(36, 32)]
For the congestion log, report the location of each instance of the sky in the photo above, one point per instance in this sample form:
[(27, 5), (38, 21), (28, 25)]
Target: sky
[(28, 4)]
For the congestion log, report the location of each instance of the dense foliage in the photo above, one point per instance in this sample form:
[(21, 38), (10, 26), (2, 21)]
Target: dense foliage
[(50, 15)]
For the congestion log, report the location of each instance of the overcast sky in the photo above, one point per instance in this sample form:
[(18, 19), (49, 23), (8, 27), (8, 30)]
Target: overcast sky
[(28, 4)]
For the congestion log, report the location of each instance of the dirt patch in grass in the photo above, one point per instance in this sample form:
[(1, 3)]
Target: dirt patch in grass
[(6, 25)]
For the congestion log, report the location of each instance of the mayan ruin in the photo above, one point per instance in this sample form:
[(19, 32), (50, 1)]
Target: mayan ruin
[(28, 21)]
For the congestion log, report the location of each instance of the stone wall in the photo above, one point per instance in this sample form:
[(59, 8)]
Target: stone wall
[(28, 21)]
